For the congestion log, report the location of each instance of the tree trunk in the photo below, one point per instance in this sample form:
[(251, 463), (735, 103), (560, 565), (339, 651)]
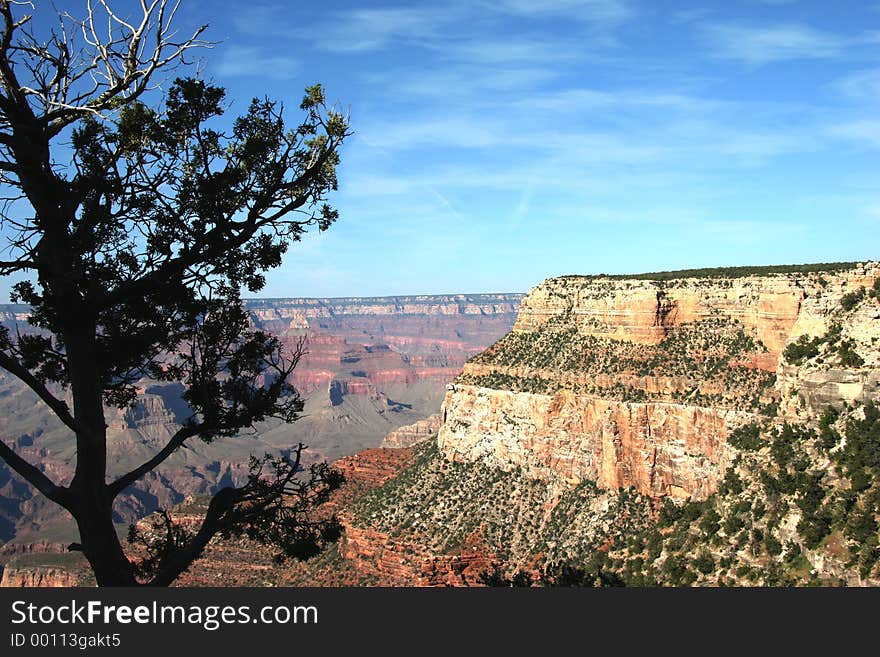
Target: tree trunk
[(61, 277), (100, 542), (92, 502)]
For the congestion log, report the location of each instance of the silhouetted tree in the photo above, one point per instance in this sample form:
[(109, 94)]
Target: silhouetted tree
[(134, 229)]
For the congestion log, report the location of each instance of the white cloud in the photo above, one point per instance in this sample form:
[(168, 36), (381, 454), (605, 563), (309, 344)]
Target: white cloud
[(766, 44), (252, 61), (431, 26), (867, 132), (468, 84), (862, 85), (586, 10), (580, 100), (371, 29), (528, 51)]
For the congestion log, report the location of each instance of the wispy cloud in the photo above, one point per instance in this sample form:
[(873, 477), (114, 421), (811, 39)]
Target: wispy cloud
[(529, 51), (867, 132), (468, 84), (601, 11), (237, 60), (579, 100), (863, 85), (352, 30), (458, 28), (370, 29), (757, 45)]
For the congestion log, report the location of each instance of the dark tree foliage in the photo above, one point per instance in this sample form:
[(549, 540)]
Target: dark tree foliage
[(746, 437), (851, 299), (862, 451), (801, 349), (135, 228), (595, 572)]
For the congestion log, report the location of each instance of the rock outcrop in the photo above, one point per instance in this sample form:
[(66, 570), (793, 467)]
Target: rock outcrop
[(411, 434), (645, 311), (563, 398), (17, 577), (660, 449)]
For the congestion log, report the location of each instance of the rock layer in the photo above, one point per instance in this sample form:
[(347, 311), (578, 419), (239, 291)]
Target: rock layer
[(409, 435), (661, 449), (645, 311)]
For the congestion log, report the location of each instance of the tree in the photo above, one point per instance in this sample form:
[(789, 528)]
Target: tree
[(135, 229)]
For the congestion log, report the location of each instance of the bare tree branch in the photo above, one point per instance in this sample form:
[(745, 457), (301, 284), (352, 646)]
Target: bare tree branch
[(221, 505), (228, 508)]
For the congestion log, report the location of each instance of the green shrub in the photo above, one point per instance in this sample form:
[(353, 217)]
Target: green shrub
[(733, 524), (802, 349), (828, 435), (813, 530), (746, 437), (860, 526), (670, 512), (704, 563), (710, 522), (851, 299), (848, 357), (675, 569)]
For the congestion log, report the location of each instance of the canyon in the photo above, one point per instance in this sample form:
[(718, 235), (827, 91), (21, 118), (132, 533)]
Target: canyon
[(719, 428), (369, 366), (649, 431)]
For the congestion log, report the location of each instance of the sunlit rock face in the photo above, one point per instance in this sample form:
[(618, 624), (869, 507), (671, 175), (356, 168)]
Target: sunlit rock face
[(639, 382)]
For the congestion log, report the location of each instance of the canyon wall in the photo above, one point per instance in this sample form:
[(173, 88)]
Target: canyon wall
[(562, 441), (660, 449), (565, 421), (48, 577), (360, 346), (645, 311), (411, 434)]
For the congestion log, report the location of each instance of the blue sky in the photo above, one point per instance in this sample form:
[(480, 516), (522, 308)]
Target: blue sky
[(500, 143)]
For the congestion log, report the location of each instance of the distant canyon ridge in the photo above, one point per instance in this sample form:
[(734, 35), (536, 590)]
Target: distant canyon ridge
[(372, 365)]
